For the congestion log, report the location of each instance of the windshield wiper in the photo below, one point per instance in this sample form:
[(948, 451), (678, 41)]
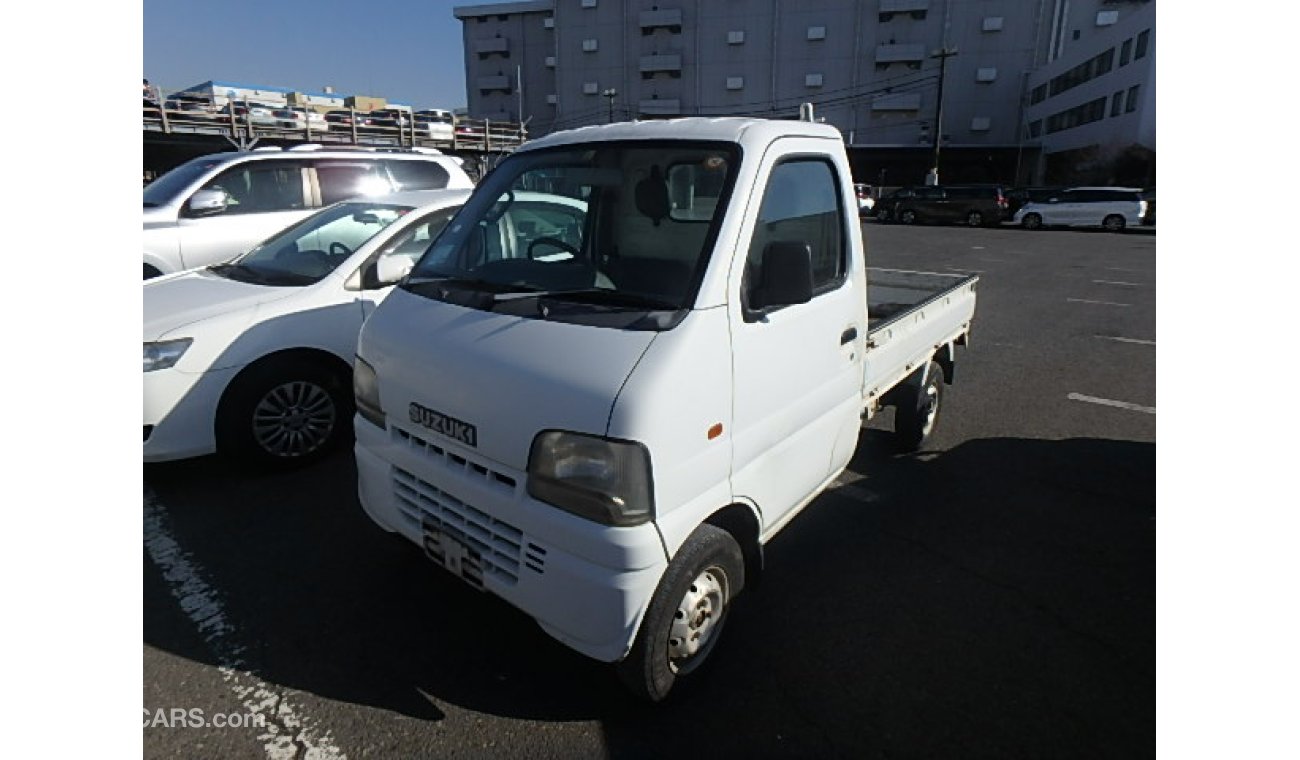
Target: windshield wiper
[(247, 273), (600, 297)]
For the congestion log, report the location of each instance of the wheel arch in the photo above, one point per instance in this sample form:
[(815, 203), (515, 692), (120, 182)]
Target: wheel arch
[(744, 525), (301, 354)]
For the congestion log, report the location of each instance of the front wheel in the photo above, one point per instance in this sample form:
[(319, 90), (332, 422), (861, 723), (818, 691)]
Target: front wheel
[(1113, 223), (882, 215), (975, 219), (1032, 222), (686, 614), (907, 217), (918, 410), (284, 413)]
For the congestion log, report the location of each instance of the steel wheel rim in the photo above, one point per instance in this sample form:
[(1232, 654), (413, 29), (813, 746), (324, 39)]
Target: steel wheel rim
[(293, 419), (697, 619), (930, 407)]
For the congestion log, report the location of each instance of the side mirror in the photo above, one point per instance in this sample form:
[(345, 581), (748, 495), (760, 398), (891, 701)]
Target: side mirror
[(786, 277), (390, 269), (208, 202)]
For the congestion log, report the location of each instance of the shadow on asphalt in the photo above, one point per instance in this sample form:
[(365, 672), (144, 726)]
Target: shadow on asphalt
[(996, 599)]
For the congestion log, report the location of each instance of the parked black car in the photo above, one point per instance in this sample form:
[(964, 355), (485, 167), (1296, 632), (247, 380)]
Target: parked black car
[(975, 205)]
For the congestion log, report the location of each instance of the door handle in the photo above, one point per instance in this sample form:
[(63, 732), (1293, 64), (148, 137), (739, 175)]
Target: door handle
[(849, 335)]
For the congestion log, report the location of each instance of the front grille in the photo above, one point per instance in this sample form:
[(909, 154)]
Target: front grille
[(498, 543), (454, 462)]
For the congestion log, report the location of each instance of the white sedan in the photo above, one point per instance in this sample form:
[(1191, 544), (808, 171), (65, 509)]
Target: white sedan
[(254, 356)]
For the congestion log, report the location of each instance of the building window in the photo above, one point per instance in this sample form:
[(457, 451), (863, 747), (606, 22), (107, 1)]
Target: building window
[(1038, 95), (1075, 35), (551, 99), (1106, 18), (1105, 62), (736, 38), (980, 124), (590, 46), (1125, 52), (1036, 128), (590, 88), (550, 61), (1141, 50), (735, 83), (1117, 103), (812, 80), (1131, 101), (986, 74), (816, 32), (1093, 110), (992, 23), (548, 22)]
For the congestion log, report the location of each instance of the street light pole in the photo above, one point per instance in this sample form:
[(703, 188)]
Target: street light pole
[(943, 55), (610, 92)]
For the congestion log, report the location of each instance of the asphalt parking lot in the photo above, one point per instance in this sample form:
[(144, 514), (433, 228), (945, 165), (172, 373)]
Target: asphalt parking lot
[(992, 596)]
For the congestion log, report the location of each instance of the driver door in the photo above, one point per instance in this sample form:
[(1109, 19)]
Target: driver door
[(263, 197)]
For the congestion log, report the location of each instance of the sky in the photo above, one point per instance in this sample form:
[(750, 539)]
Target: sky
[(407, 51)]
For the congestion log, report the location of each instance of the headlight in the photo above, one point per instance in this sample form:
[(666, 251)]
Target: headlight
[(164, 353), (596, 478), (366, 389)]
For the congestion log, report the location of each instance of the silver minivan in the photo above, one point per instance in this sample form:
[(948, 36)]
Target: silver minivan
[(215, 207), (1111, 208)]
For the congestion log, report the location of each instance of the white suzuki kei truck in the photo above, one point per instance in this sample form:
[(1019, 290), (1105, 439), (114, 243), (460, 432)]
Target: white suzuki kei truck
[(603, 423)]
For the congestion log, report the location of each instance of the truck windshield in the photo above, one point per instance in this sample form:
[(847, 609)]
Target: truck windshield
[(608, 226)]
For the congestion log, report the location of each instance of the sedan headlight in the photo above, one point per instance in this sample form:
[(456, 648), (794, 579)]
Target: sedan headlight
[(164, 353), (597, 478)]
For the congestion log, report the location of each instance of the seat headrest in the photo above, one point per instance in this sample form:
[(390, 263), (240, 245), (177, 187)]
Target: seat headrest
[(652, 196)]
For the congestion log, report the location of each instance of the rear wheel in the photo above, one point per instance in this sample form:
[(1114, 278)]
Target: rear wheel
[(1113, 223), (284, 413), (975, 219), (918, 409), (882, 215), (686, 613), (1032, 221), (907, 216)]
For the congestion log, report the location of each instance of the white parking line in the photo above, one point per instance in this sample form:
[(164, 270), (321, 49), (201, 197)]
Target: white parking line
[(1098, 303), (1123, 269), (1138, 341), (286, 731), (1118, 282), (1112, 402)]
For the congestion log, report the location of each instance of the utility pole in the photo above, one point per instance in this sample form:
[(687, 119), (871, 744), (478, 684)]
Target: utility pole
[(943, 55), (610, 93)]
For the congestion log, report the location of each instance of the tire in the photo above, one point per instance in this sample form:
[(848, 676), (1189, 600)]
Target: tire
[(1113, 223), (284, 413), (882, 216), (151, 272), (975, 219), (907, 216), (705, 577), (918, 409), (1032, 222)]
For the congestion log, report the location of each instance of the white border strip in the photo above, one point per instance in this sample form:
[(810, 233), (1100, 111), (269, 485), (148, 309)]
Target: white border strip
[(1097, 303), (1112, 402), (1138, 341), (287, 733)]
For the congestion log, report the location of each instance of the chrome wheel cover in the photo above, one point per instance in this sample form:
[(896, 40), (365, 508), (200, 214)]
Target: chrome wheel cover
[(293, 419)]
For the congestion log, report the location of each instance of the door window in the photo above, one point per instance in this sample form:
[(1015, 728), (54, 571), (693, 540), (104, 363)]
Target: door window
[(418, 175), (801, 204), (340, 180), (261, 186)]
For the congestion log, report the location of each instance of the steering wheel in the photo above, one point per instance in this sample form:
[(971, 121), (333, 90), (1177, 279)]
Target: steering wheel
[(343, 250), (556, 242)]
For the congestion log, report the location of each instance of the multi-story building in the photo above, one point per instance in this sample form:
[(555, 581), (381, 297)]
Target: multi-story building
[(868, 66), (1092, 109)]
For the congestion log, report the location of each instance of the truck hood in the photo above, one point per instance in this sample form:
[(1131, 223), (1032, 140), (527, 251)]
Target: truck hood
[(175, 301), (507, 376)]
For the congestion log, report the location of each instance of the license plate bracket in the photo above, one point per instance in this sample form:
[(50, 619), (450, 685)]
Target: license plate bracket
[(446, 547)]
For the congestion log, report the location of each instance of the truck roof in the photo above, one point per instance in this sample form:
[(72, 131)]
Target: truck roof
[(722, 129)]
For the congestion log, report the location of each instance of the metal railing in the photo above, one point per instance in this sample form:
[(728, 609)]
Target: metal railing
[(245, 123)]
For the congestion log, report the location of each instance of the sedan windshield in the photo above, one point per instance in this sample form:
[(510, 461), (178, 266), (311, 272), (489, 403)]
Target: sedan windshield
[(618, 232), (308, 251)]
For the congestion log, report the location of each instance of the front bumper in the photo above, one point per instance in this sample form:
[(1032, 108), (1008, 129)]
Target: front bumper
[(587, 585), (179, 411)]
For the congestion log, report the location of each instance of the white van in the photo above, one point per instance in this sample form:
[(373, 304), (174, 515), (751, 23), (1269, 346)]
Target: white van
[(215, 207), (1111, 208)]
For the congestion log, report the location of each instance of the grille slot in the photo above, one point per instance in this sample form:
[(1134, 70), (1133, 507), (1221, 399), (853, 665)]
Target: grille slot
[(456, 462), (498, 543)]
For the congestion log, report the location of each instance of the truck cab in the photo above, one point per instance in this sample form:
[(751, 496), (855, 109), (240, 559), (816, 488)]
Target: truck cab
[(602, 416)]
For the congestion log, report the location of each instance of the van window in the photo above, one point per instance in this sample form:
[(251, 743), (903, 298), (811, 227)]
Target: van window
[(418, 175), (261, 186), (801, 204)]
